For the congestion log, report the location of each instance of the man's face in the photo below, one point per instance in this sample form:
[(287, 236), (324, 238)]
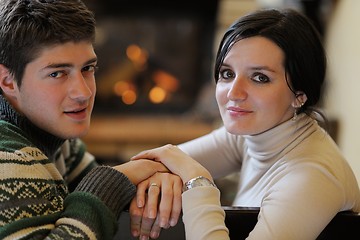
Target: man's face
[(58, 89)]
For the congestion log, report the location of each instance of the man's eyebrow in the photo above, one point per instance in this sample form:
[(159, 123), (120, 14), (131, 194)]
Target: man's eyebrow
[(91, 61), (64, 65)]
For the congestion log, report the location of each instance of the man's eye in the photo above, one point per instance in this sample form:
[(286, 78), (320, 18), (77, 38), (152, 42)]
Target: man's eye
[(90, 68), (56, 74)]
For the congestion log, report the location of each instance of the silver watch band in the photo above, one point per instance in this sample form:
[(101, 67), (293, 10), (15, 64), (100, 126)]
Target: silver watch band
[(197, 182)]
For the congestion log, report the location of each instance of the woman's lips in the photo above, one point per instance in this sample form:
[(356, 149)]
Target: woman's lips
[(236, 111)]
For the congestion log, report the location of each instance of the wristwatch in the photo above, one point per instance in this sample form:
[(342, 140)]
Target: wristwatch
[(198, 182)]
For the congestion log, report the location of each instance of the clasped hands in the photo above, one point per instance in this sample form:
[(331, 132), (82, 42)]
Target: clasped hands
[(157, 203)]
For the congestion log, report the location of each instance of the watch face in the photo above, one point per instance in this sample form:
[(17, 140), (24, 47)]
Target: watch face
[(202, 182), (198, 182)]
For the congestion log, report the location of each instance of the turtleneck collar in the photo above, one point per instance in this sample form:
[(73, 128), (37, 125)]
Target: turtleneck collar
[(43, 140), (276, 142)]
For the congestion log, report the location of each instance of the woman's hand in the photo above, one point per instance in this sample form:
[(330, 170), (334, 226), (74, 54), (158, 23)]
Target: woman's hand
[(147, 168), (147, 215), (176, 161)]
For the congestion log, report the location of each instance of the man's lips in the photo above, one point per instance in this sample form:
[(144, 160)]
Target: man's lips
[(76, 110), (77, 114)]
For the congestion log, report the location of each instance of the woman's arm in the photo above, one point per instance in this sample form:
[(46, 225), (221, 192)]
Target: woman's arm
[(219, 152), (202, 213)]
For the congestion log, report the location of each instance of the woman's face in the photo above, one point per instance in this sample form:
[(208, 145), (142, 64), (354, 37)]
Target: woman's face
[(252, 93)]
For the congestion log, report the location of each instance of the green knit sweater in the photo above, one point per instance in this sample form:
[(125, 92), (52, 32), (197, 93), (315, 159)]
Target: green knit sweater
[(52, 188)]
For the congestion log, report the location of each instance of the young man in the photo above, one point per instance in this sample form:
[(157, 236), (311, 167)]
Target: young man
[(50, 187)]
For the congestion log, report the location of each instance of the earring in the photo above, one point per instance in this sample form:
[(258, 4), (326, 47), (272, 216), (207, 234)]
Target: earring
[(294, 118), (295, 115)]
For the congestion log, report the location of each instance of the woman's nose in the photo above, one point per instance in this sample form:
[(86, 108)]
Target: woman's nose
[(238, 89)]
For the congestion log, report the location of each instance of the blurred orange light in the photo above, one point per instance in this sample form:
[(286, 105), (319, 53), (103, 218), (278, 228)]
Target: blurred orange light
[(129, 97), (120, 87), (157, 95), (133, 52), (166, 80), (137, 55)]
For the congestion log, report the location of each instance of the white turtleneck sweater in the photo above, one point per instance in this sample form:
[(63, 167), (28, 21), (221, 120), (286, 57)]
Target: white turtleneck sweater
[(294, 172)]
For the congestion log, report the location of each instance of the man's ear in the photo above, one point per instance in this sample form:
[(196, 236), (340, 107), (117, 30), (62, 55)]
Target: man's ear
[(300, 99), (7, 81)]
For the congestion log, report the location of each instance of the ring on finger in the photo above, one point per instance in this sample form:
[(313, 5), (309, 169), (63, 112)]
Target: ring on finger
[(154, 185)]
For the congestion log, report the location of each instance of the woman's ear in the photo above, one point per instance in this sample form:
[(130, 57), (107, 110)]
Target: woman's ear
[(7, 81), (300, 99)]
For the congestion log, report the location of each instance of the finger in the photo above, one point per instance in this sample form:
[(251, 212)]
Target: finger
[(141, 193), (140, 155), (170, 205), (135, 218), (150, 154), (146, 225), (165, 206), (146, 221), (156, 229), (153, 199), (177, 203)]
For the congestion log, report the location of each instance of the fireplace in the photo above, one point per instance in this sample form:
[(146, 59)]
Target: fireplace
[(154, 56)]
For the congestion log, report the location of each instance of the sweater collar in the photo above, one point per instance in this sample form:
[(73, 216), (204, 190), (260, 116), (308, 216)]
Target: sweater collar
[(276, 142), (43, 140)]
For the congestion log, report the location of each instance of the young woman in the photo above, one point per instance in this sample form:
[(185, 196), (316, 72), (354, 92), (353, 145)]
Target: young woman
[(269, 74)]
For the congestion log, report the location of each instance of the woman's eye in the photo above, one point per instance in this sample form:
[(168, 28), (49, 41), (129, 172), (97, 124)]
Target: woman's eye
[(261, 78), (227, 74)]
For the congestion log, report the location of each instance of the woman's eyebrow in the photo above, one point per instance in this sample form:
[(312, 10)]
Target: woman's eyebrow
[(266, 68), (254, 68)]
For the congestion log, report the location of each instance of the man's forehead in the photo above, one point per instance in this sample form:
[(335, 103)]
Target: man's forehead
[(65, 53)]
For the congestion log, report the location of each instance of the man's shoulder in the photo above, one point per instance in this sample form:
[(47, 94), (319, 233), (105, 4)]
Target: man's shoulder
[(12, 138)]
